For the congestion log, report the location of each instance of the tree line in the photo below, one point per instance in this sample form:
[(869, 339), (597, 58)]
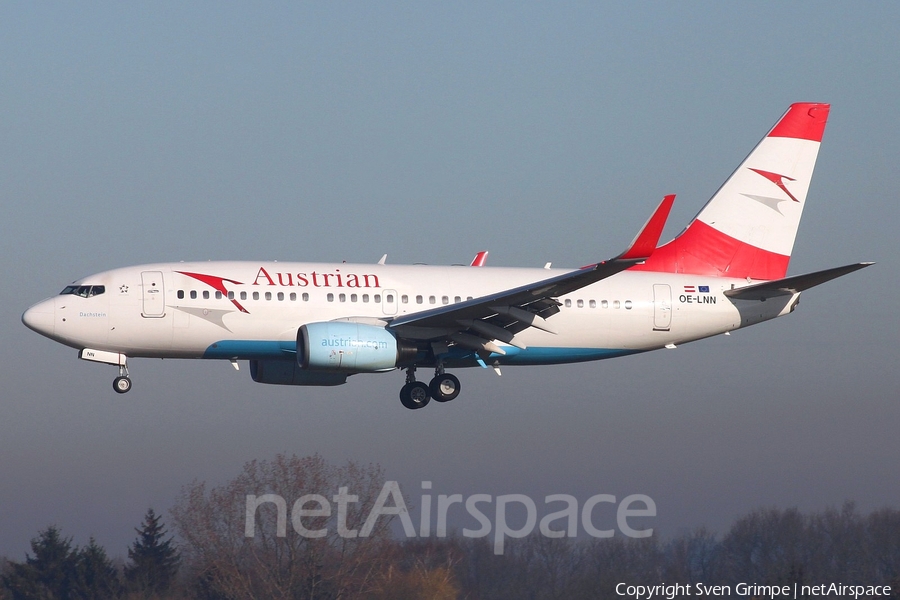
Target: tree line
[(210, 557)]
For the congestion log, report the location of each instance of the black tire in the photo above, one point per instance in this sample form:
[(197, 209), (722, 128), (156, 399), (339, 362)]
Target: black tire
[(444, 388), (414, 395), (122, 384)]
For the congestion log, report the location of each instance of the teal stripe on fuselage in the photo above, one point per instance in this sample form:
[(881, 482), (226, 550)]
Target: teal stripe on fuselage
[(252, 349), (287, 350), (555, 356)]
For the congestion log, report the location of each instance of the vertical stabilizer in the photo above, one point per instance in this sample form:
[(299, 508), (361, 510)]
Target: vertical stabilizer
[(747, 229)]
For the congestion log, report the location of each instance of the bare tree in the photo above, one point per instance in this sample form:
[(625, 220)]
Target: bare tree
[(768, 546), (691, 557), (289, 553)]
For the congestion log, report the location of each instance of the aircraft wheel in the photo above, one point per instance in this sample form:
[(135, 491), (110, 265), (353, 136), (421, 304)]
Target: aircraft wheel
[(414, 395), (121, 384), (445, 388)]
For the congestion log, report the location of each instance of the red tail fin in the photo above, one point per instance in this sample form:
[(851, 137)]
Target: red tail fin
[(748, 227)]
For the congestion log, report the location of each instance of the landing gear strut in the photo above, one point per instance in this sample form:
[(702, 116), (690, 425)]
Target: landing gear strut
[(444, 387), (122, 383)]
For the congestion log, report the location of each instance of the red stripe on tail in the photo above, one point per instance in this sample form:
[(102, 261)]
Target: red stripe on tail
[(703, 250), (805, 120)]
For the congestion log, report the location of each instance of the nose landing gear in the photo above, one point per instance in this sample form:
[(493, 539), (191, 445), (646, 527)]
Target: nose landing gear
[(122, 383)]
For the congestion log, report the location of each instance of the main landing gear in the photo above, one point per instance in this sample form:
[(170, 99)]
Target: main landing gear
[(444, 387), (122, 383)]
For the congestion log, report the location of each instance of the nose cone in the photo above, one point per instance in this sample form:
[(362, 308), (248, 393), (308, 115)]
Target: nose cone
[(40, 318)]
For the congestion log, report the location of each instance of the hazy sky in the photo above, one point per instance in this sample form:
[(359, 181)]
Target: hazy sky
[(540, 132)]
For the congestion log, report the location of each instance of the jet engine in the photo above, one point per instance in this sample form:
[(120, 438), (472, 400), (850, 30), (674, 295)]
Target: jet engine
[(351, 347)]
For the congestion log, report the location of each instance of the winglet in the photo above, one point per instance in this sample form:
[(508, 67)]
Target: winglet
[(645, 242)]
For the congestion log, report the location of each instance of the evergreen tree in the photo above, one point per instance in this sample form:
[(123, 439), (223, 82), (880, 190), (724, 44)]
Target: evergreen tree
[(96, 577), (153, 560), (47, 573)]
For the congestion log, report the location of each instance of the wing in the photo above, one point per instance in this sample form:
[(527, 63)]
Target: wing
[(476, 324)]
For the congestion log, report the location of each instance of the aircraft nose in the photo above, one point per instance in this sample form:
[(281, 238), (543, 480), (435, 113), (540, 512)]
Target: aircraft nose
[(40, 317)]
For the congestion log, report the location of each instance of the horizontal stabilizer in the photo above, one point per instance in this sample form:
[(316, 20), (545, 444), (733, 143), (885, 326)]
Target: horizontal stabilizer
[(792, 285)]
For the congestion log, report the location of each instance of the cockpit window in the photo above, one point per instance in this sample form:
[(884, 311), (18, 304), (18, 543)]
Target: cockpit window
[(85, 291)]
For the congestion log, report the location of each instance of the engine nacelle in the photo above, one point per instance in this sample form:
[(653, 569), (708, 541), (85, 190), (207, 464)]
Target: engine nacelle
[(288, 372), (351, 347)]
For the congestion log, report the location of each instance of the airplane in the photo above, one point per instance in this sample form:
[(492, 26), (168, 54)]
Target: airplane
[(316, 324)]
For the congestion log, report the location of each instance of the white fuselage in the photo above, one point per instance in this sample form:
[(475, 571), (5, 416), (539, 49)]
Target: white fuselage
[(252, 310)]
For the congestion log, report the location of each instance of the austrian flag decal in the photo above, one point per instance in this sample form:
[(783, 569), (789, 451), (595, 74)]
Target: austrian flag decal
[(696, 294), (693, 289)]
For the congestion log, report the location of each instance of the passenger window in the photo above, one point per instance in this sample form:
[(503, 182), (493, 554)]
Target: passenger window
[(404, 299), (305, 297), (445, 300), (581, 304), (628, 305), (592, 304), (389, 298), (604, 303), (268, 295), (218, 295), (293, 296), (353, 297), (280, 296), (568, 303), (457, 299), (377, 298), (330, 297), (231, 295), (418, 299), (206, 294), (243, 295), (193, 294), (617, 304), (365, 297), (431, 300), (180, 294), (256, 295)]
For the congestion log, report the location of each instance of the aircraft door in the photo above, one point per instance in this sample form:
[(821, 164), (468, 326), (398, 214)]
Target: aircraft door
[(389, 302), (154, 295), (662, 307)]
